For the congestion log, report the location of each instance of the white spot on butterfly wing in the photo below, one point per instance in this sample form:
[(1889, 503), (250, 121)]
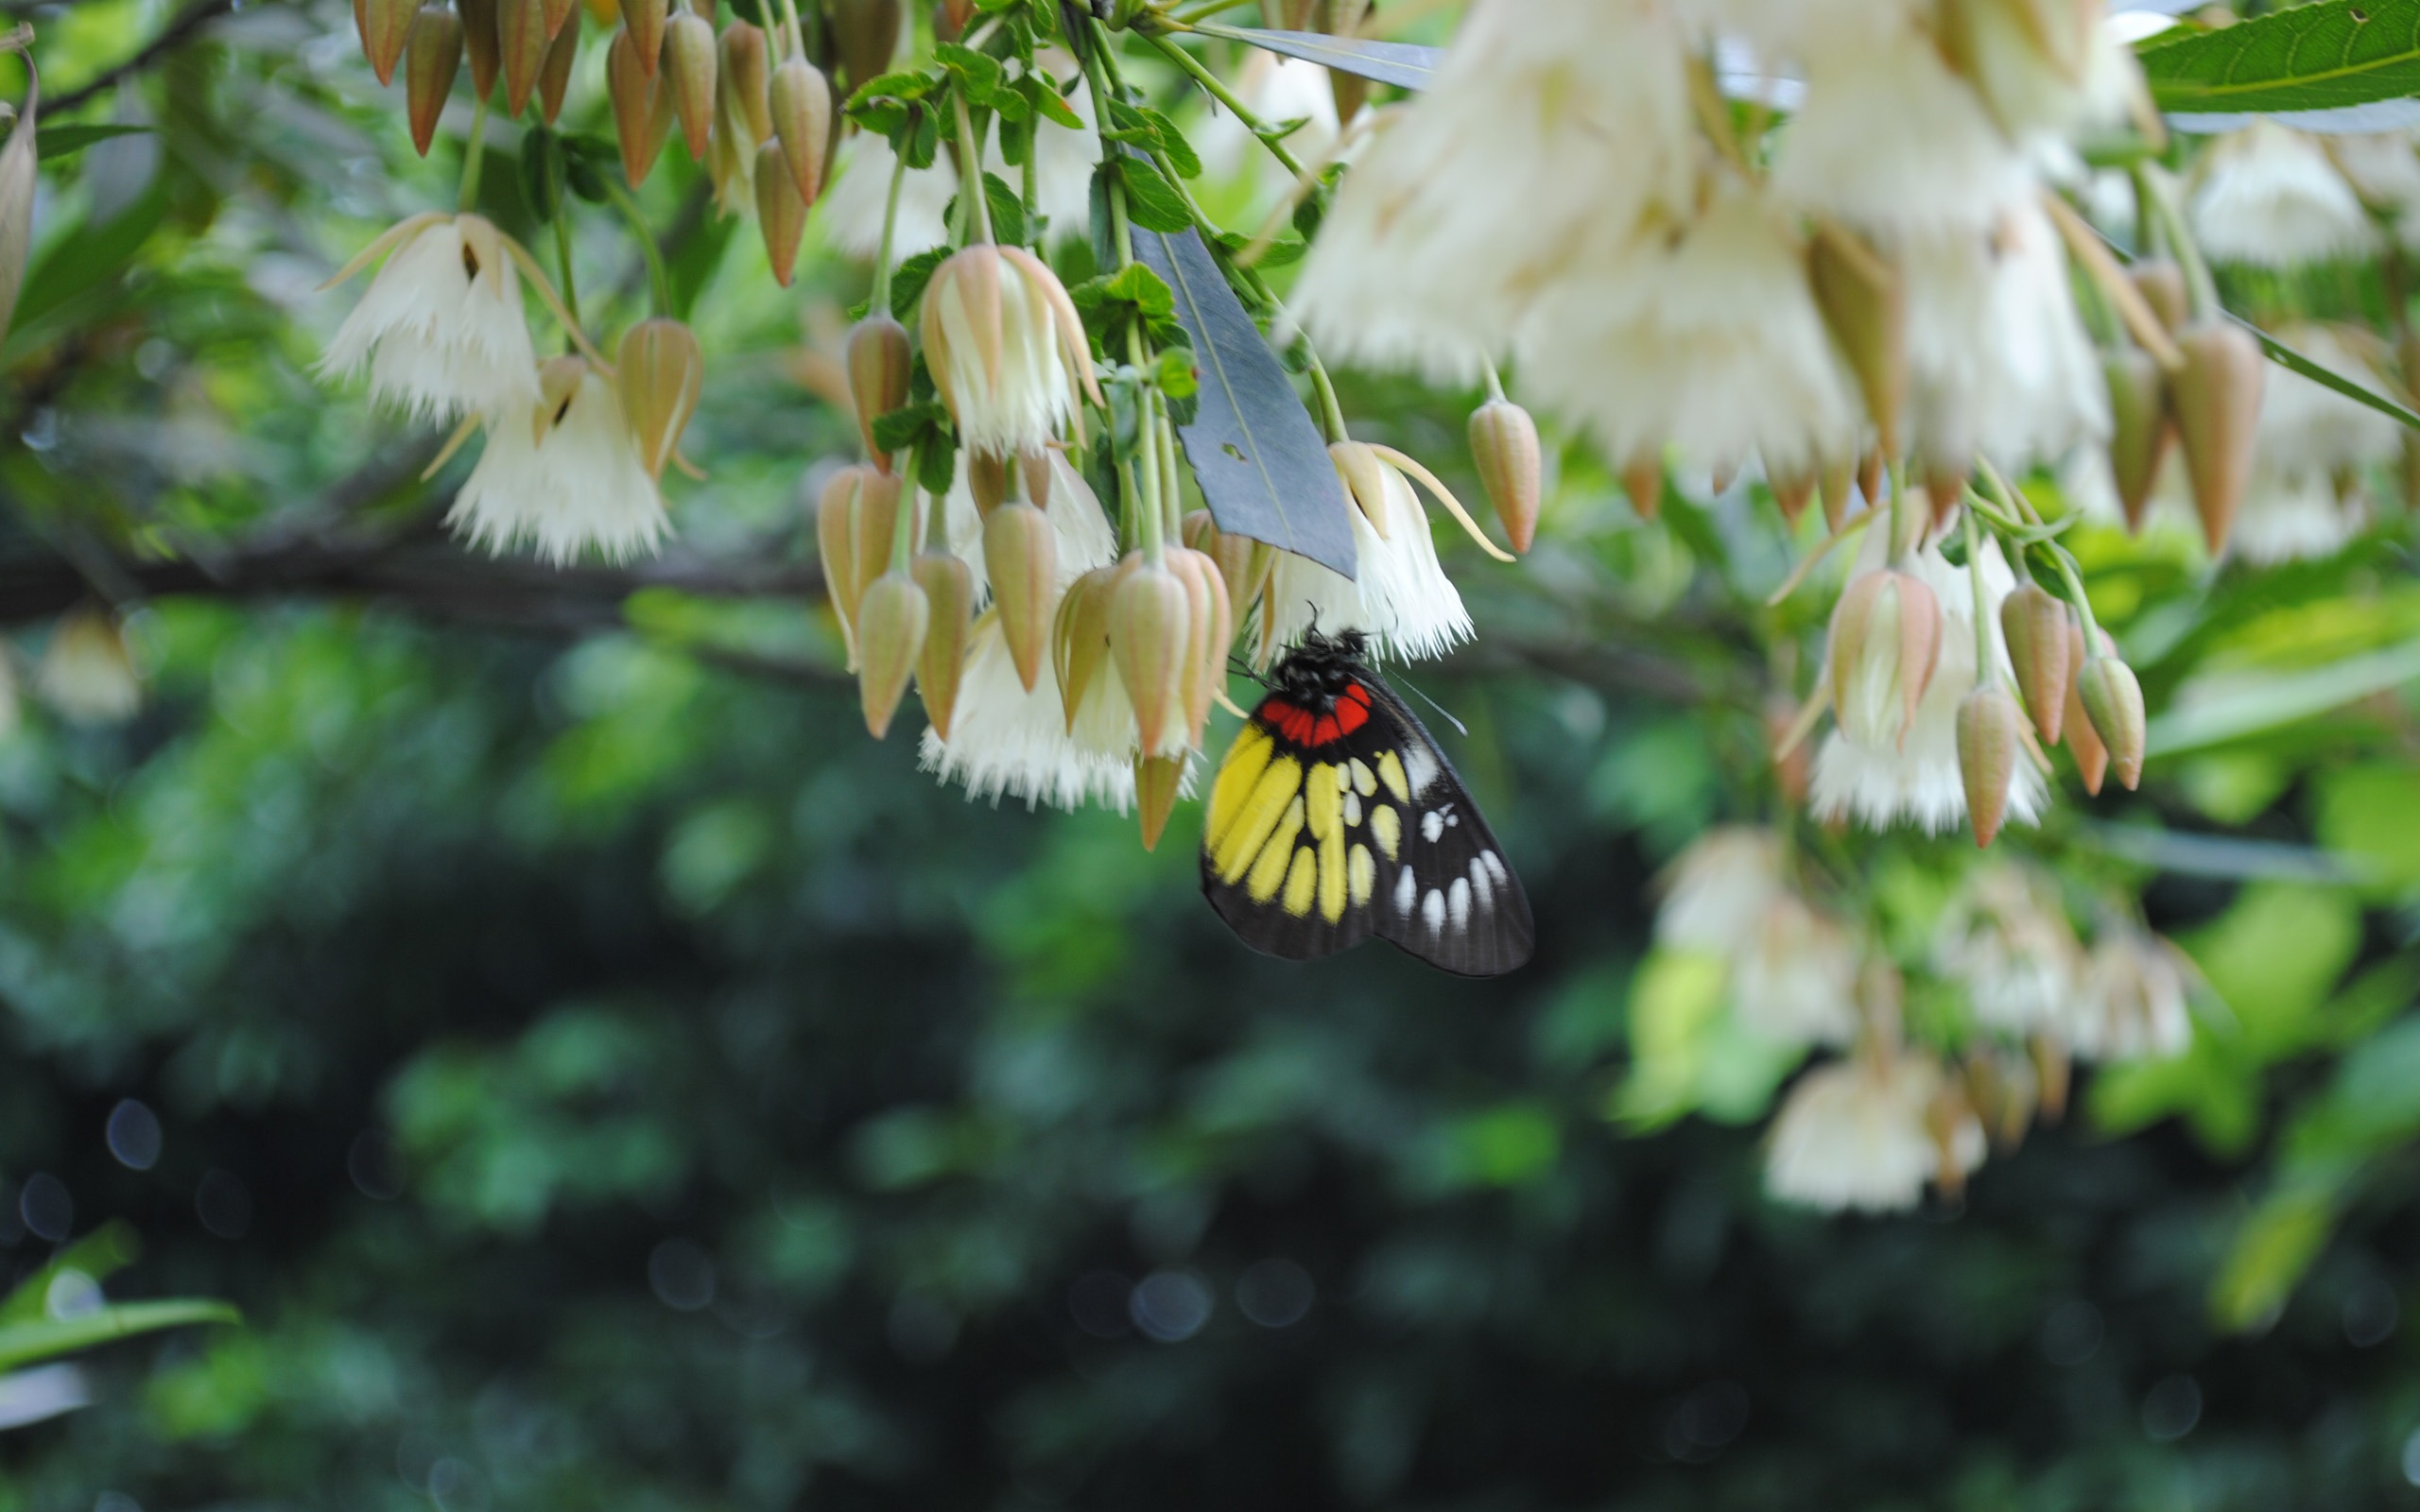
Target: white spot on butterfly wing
[(1432, 824), (1351, 809), (1420, 766), (1406, 891), (1432, 911), (1482, 891), (1495, 867), (1457, 904)]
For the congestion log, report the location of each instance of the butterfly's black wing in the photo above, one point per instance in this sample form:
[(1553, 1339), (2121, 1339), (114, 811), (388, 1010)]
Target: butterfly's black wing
[(1324, 829)]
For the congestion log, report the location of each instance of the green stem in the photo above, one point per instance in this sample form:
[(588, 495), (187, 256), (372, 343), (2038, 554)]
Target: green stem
[(474, 154), (880, 305), (1982, 612), (1494, 382), (1148, 470), (1262, 131), (798, 32), (903, 529), (2003, 493), (1331, 412), (1031, 184), (974, 206), (2202, 289), (562, 239), (659, 279), (1900, 504), (1097, 80)]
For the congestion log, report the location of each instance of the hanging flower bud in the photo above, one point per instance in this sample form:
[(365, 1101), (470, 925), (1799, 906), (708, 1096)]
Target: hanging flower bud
[(867, 35), (1034, 467), (1792, 492), (640, 115), (644, 21), (1864, 304), (1021, 557), (879, 368), (950, 18), (559, 12), (2140, 430), (873, 522), (434, 56), (1504, 444), (781, 215), (1987, 720), (662, 372), (745, 72), (1080, 640), (892, 622), (385, 28), (801, 100), (2216, 396), (522, 42), (1885, 640), (87, 673), (2083, 743), (1839, 481), (2161, 283), (1243, 564), (689, 57), (2053, 1072), (2113, 700), (1792, 760), (1212, 630), (835, 547), (480, 44), (1643, 480), (987, 480), (554, 77), (2036, 625), (1149, 634), (1006, 349), (949, 587), (1158, 781)]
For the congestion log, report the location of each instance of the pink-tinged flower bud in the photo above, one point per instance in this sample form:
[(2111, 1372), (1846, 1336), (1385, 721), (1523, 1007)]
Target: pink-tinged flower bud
[(893, 622), (645, 21), (689, 57), (480, 44), (1870, 470), (1987, 738), (521, 37), (663, 371), (432, 60), (949, 587), (385, 28), (1792, 492), (801, 100), (1243, 564), (559, 12), (875, 522), (1006, 349), (1864, 304), (2113, 700), (879, 366), (2216, 397), (1158, 780), (1032, 466), (2139, 429), (1151, 622), (1210, 633), (2083, 743), (781, 215), (866, 33), (1080, 641), (1837, 488), (641, 113), (1793, 760), (2000, 1088), (987, 481), (1504, 444), (2161, 282), (746, 72), (554, 77), (2035, 625), (1643, 480), (1021, 557), (949, 24), (835, 547), (1885, 642), (1365, 482)]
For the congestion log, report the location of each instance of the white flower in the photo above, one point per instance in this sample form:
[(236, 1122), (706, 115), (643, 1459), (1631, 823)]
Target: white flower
[(1795, 981), (1998, 364), (1006, 349), (2308, 427), (1708, 342), (441, 330), (563, 474), (1007, 741), (1860, 1135), (2133, 1004), (1871, 769), (2384, 169), (1399, 596), (1718, 891), (2006, 940), (2054, 68), (2293, 516), (86, 673), (2269, 197), (1084, 538), (1552, 128)]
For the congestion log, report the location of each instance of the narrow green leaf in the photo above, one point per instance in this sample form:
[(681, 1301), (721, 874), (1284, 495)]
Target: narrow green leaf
[(2285, 356), (99, 1254), (2209, 710), (67, 140), (1402, 65), (23, 1343), (2303, 57)]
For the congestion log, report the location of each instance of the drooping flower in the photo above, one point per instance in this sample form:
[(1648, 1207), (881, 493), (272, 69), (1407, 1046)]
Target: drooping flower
[(1005, 741), (2132, 1002), (2006, 940), (563, 474), (1717, 890), (441, 330), (2308, 427), (1005, 349), (1866, 1134), (87, 673), (1794, 978), (1551, 129), (1400, 595), (2295, 517), (2269, 196), (2384, 169), (1082, 531)]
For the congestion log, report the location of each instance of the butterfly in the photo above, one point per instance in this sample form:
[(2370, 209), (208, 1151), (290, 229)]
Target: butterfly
[(1335, 817)]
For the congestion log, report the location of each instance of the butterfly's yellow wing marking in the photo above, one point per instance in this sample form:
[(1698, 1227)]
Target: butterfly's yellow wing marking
[(1302, 881), (1385, 825), (1254, 819), (1391, 772), (1269, 871)]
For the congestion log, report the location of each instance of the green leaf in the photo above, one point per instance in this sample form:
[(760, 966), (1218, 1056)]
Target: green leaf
[(1182, 157), (909, 278), (23, 1343), (2286, 357), (2271, 1253), (2229, 706), (2303, 57), (1152, 203), (99, 1255), (1402, 65), (67, 140), (908, 425)]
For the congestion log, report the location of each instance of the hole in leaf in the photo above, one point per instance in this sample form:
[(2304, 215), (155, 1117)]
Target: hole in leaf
[(1234, 451)]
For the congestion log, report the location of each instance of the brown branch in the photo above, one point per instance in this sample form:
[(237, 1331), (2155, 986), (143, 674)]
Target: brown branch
[(174, 36)]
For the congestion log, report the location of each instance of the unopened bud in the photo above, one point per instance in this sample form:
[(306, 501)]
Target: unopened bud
[(867, 35), (2035, 625), (1212, 630), (747, 73), (1871, 471), (1999, 1087), (1365, 481), (1792, 492), (781, 215), (1945, 488), (2161, 282), (1033, 469), (801, 100), (385, 28), (2113, 700), (1080, 640), (949, 21), (559, 12), (1839, 483), (554, 79), (2084, 744), (432, 60), (1864, 304), (1987, 720), (645, 21), (1885, 642), (689, 57), (1021, 557), (1243, 564), (836, 546), (2217, 401), (1720, 476), (949, 587), (1643, 480), (874, 524), (640, 115), (2139, 429), (521, 37), (1792, 757), (987, 480), (2054, 1072), (479, 45), (662, 371), (1150, 633), (1946, 1119), (1504, 444), (879, 368), (893, 622), (1157, 781)]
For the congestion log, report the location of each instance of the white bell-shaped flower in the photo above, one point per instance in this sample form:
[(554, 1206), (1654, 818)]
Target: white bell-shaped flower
[(441, 330), (563, 474)]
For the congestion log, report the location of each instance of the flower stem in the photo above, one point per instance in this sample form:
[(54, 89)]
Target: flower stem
[(562, 241), (1982, 613), (1331, 412), (659, 280), (474, 154), (796, 33), (974, 207), (2001, 492), (880, 303), (1494, 381), (1261, 131), (903, 529)]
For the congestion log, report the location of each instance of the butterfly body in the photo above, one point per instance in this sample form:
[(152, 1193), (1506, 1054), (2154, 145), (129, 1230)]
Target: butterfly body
[(1335, 817)]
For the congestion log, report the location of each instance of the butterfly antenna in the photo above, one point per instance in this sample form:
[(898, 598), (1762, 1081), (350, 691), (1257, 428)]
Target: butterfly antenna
[(1442, 713)]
